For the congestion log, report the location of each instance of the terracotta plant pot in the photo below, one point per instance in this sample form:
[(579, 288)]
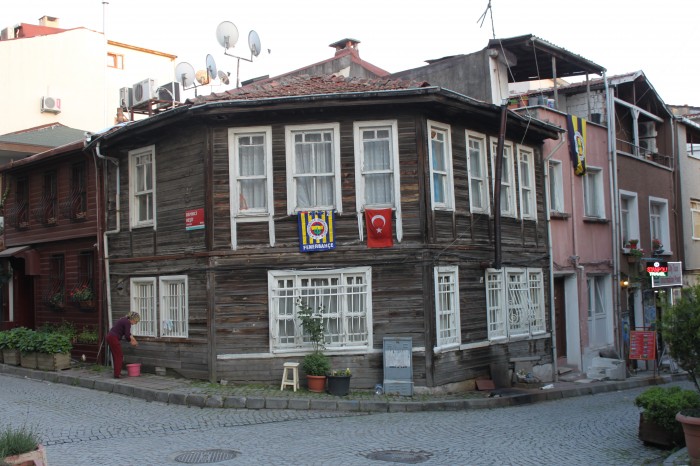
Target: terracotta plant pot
[(317, 383), (36, 457), (691, 431)]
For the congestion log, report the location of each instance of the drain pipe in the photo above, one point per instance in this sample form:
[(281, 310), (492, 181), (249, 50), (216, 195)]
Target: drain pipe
[(497, 185), (117, 228), (548, 207), (615, 203)]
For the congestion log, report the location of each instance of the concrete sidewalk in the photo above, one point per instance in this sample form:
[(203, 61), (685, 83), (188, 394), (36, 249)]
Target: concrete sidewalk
[(168, 389)]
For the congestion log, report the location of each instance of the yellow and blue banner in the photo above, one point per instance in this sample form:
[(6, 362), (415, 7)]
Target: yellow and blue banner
[(577, 143), (316, 231)]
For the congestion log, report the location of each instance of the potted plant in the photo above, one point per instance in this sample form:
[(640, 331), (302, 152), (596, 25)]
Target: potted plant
[(56, 300), (10, 342), (680, 326), (633, 243), (339, 382), (635, 255), (20, 446), (84, 296), (316, 364), (657, 246), (657, 421), (88, 336), (53, 351), (28, 345)]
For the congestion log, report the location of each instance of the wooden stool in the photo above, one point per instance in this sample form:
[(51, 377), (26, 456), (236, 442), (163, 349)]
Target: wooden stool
[(294, 382)]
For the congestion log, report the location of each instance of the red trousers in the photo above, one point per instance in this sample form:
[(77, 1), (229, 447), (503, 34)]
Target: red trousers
[(117, 356)]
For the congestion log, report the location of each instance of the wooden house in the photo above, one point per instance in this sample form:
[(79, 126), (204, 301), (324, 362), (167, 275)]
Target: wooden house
[(210, 205), (51, 261)]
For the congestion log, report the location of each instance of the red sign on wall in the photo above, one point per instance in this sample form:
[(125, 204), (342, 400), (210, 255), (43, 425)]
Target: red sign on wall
[(194, 219), (642, 345)]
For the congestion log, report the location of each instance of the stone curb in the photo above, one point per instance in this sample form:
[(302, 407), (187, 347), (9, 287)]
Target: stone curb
[(198, 400)]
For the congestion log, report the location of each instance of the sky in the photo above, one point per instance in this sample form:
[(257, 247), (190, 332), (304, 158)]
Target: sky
[(621, 35)]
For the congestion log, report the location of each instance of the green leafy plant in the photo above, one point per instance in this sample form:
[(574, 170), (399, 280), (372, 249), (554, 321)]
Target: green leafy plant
[(53, 343), (680, 327), (4, 339), (316, 363), (661, 404), (82, 293), (16, 336), (341, 372), (17, 440), (88, 336), (638, 253), (56, 299), (30, 341)]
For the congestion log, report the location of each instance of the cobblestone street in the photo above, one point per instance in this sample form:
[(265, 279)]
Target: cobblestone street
[(88, 427)]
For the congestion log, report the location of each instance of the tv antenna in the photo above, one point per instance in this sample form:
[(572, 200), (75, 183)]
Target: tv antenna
[(189, 79), (227, 36)]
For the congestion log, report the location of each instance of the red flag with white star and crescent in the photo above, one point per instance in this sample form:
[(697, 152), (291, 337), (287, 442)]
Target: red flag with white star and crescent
[(379, 231)]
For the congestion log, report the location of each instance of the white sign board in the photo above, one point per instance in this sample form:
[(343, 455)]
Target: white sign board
[(674, 278)]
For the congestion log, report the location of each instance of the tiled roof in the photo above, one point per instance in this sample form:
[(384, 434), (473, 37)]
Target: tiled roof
[(50, 135), (308, 85)]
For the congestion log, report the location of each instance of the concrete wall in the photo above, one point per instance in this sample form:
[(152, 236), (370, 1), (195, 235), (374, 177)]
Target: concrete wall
[(70, 66)]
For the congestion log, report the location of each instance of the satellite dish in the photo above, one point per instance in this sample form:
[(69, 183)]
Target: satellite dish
[(202, 77), (223, 77), (211, 67), (184, 74), (227, 34), (254, 43)]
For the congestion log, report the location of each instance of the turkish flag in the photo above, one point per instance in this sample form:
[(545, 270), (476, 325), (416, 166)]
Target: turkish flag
[(379, 231)]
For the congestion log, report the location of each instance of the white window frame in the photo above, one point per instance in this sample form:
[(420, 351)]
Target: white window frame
[(174, 310), (134, 194), (152, 308), (527, 193), (556, 186), (515, 292), (290, 131), (334, 299), (593, 180), (360, 172), (483, 192), (238, 214), (663, 234), (448, 333), (695, 218), (449, 203), (507, 185), (632, 216)]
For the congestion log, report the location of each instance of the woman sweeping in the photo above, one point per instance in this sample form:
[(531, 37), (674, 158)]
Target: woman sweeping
[(121, 329)]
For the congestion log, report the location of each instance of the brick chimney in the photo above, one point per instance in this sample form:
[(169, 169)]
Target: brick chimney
[(346, 44)]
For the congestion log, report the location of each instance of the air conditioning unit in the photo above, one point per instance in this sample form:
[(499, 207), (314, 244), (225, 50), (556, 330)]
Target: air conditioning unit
[(647, 129), (50, 104), (168, 93), (126, 98), (144, 91), (648, 146)]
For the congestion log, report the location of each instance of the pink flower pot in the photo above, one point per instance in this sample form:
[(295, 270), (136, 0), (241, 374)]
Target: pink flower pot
[(691, 431)]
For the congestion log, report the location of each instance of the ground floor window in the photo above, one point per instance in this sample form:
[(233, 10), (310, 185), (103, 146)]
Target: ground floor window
[(515, 302), (342, 297), (163, 305), (447, 307)]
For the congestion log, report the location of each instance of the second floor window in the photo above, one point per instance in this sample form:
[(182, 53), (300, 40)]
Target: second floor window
[(142, 191), (441, 178), (78, 191), (313, 162), (478, 173), (526, 175), (49, 210), (556, 186), (508, 208), (21, 210), (251, 167), (658, 223), (593, 193), (695, 217)]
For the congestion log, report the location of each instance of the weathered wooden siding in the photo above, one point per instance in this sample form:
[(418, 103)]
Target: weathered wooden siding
[(402, 276)]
